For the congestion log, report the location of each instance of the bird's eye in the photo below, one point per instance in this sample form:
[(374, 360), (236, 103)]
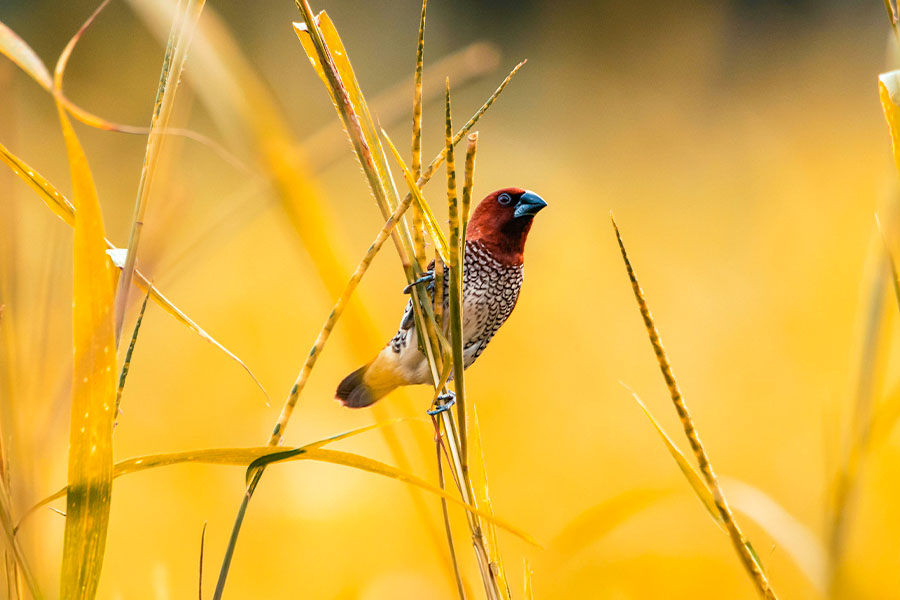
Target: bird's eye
[(504, 198)]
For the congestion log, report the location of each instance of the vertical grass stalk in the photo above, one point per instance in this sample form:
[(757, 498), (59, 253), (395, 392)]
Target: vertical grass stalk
[(176, 52), (417, 219)]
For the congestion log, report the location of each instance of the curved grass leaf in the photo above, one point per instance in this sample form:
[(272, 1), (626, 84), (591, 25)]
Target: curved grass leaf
[(373, 466), (209, 456), (55, 201), (93, 387), (696, 482), (64, 209), (22, 55), (254, 458)]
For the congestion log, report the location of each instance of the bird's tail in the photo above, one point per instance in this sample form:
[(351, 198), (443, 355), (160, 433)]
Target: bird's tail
[(354, 392)]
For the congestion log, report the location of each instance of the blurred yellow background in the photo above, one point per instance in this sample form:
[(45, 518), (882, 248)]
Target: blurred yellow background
[(742, 148)]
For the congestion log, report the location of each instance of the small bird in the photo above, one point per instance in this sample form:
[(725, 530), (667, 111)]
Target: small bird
[(492, 278)]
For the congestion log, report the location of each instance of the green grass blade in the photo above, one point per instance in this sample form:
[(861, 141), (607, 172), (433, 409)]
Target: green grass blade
[(93, 387), (127, 363)]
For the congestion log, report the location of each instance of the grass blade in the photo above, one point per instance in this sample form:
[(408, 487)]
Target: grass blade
[(200, 575), (445, 513), (693, 478), (179, 40), (468, 185), (256, 458), (431, 222), (417, 218), (64, 209), (373, 466), (12, 543), (21, 54), (330, 322), (528, 593), (93, 387), (208, 456), (745, 551), (55, 201), (127, 363), (455, 300)]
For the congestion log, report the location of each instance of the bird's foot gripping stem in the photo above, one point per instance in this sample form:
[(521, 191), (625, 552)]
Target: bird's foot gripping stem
[(428, 278), (443, 403)]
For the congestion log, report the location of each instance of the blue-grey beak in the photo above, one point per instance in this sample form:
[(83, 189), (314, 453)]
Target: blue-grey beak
[(528, 205)]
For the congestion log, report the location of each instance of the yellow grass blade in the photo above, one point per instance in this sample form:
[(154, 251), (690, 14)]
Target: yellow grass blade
[(93, 386), (889, 93), (468, 184), (431, 222), (350, 104), (417, 218), (21, 54), (482, 498), (179, 41), (324, 333), (209, 456), (63, 208), (254, 458), (12, 543), (694, 479), (529, 584), (328, 143), (55, 201), (373, 466), (18, 51), (745, 551)]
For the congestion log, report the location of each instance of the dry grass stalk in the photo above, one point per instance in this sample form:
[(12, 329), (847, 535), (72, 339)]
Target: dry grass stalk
[(417, 218), (739, 541), (179, 40)]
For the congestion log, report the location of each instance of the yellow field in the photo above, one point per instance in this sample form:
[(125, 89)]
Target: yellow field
[(743, 151)]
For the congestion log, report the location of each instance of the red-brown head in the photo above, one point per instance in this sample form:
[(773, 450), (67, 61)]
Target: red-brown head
[(502, 220)]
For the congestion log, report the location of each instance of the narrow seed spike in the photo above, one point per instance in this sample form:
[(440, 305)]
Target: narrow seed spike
[(739, 541), (417, 217)]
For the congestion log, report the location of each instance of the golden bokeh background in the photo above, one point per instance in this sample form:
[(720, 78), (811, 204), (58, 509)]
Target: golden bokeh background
[(742, 148)]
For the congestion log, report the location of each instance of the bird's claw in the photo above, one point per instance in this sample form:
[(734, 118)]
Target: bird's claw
[(449, 397), (423, 279)]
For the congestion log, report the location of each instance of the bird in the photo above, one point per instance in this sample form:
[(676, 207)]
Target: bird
[(492, 278)]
